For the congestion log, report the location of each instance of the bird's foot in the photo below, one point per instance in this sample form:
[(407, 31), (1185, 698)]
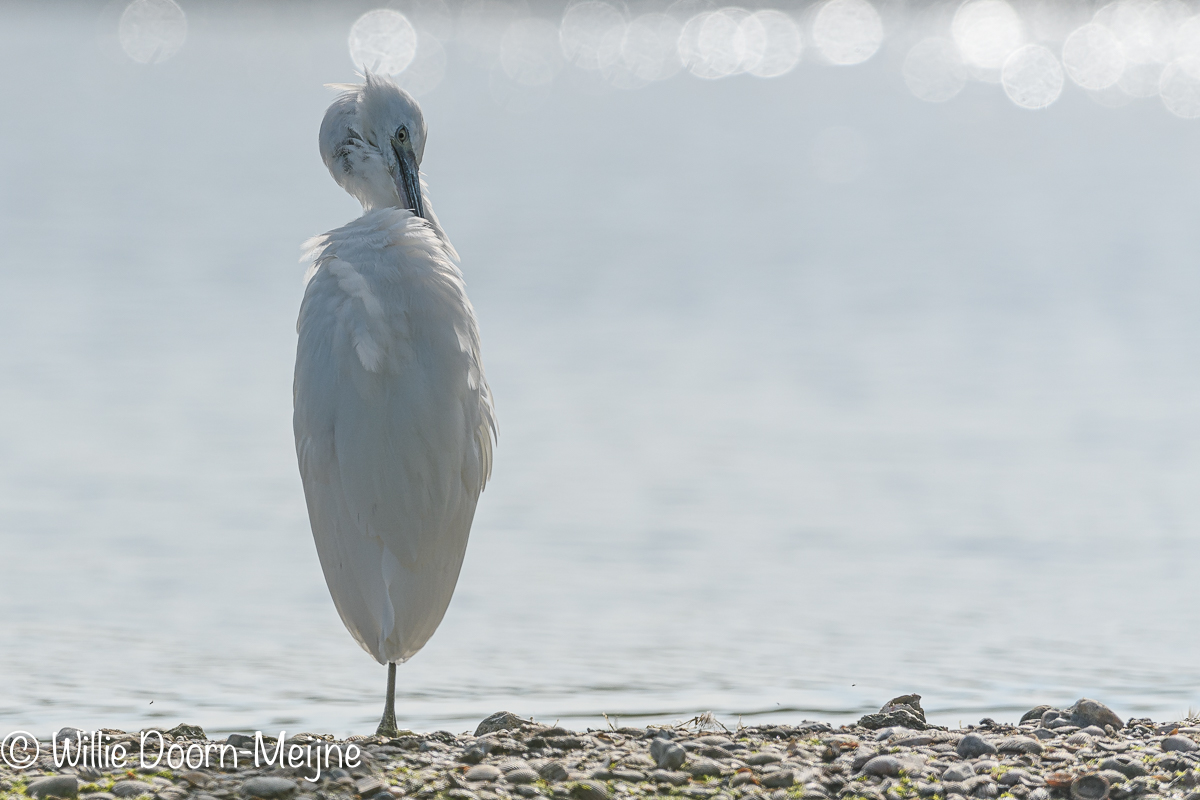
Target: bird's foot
[(387, 725)]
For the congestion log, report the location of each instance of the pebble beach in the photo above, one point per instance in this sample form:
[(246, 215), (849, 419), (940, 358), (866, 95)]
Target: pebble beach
[(1084, 752)]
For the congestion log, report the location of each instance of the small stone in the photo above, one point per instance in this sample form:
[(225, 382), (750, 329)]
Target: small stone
[(908, 702), (958, 773), (1020, 744), (269, 788), (705, 768), (779, 779), (131, 788), (564, 742), (973, 745), (1168, 762), (102, 796), (1125, 765), (554, 771), (589, 790), (1018, 775), (883, 766), (369, 787), (1095, 731), (741, 778), (476, 752), (462, 794), (1179, 743), (715, 740), (666, 754), (74, 735), (901, 716), (765, 757), (187, 732), (240, 740), (196, 778), (921, 740), (500, 721), (1034, 713), (521, 775), (1112, 776), (668, 776), (1090, 712), (482, 772), (629, 775), (63, 786), (973, 785), (1043, 733), (528, 791)]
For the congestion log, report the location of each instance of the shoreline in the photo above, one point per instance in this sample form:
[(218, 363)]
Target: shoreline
[(1084, 752)]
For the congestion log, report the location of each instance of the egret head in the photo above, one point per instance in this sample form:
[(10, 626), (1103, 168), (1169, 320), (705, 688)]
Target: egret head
[(372, 140)]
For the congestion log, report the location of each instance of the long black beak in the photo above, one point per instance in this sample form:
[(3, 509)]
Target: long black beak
[(409, 177)]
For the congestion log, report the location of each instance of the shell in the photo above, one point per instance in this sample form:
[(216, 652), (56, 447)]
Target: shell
[(1090, 787), (1059, 780)]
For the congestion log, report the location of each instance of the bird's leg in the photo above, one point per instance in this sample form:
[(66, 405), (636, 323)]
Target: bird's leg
[(387, 725)]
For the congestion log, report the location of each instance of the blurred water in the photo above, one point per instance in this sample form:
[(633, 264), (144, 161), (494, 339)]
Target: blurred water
[(810, 393)]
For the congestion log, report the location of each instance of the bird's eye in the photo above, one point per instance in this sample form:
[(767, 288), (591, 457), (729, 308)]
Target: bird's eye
[(402, 133)]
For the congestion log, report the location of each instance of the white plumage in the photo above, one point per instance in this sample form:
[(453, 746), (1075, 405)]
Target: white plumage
[(393, 416)]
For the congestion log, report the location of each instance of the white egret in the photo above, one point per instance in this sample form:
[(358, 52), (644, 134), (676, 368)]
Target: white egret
[(393, 416)]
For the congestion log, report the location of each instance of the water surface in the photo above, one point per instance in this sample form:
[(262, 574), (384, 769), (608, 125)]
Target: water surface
[(770, 446)]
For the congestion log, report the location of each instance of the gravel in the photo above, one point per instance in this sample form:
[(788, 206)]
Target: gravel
[(64, 786), (1040, 759)]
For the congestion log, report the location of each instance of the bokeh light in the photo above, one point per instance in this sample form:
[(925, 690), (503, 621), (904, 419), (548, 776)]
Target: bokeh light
[(781, 44), (1186, 42), (529, 52), (590, 33), (847, 31), (1032, 77), (1180, 87), (706, 47), (151, 31), (432, 19), (1145, 28), (650, 47), (383, 41), (481, 27), (933, 70), (427, 69), (1129, 50), (986, 32), (1141, 79), (1093, 57)]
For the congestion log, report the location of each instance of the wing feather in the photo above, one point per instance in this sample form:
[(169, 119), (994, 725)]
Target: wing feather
[(394, 425)]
